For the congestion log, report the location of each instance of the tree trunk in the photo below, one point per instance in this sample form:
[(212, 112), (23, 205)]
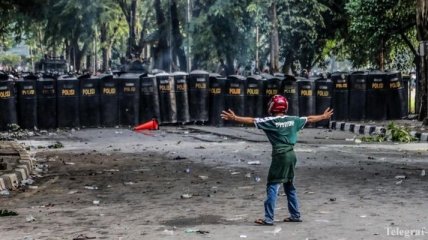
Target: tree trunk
[(274, 39), (130, 13), (381, 59), (162, 56), (422, 35), (141, 42), (177, 37), (104, 47)]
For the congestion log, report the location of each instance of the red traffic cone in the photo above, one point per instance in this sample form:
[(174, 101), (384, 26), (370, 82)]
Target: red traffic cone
[(150, 125)]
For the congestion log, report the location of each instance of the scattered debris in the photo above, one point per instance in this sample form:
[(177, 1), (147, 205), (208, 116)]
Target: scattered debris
[(234, 173), (237, 218), (254, 163), (28, 181), (363, 216), (248, 175), (56, 145), (399, 182), (186, 196), (69, 163), (111, 170), (83, 237), (4, 192), (200, 147), (72, 192), (275, 231), (332, 199), (168, 232), (30, 218), (203, 177), (358, 141), (187, 170), (322, 220), (96, 202), (423, 173), (91, 187), (6, 213), (33, 187), (243, 236), (257, 179), (129, 183), (196, 231), (398, 177)]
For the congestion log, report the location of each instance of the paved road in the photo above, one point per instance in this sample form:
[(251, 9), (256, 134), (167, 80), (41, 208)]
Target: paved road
[(117, 184)]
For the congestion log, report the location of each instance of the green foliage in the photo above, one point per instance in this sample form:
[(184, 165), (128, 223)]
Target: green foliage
[(375, 26), (309, 30), (10, 59), (374, 138), (399, 133), (394, 133)]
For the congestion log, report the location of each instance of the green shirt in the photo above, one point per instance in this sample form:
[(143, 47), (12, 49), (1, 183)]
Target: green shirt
[(281, 129), (282, 134)]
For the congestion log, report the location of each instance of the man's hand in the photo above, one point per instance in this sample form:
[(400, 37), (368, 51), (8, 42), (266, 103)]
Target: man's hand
[(327, 113), (316, 118), (231, 116), (228, 115)]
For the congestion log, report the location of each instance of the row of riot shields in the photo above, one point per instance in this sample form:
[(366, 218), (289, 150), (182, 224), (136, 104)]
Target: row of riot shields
[(250, 96), (128, 99), (125, 99), (371, 95), (354, 96)]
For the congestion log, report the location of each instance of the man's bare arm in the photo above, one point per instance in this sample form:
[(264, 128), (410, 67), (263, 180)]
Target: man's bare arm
[(231, 116), (316, 118)]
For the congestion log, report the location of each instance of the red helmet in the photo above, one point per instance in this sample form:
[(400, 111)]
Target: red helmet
[(277, 104)]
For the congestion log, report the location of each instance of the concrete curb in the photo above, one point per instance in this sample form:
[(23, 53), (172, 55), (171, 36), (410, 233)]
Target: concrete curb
[(22, 171), (371, 129)]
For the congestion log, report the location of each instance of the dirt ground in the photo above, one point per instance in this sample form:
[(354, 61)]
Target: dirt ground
[(116, 184)]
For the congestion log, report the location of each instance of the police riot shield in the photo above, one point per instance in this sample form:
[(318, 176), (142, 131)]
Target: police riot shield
[(167, 101), (340, 95), (181, 96), (149, 99), (290, 91), (89, 101), (198, 96), (254, 98), (46, 102), (323, 99), (357, 95), (109, 103), (68, 102), (376, 96), (8, 113), (217, 99), (235, 96), (27, 102), (396, 96), (129, 98)]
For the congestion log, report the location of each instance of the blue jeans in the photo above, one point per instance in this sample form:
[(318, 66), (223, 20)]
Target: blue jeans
[(270, 202)]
